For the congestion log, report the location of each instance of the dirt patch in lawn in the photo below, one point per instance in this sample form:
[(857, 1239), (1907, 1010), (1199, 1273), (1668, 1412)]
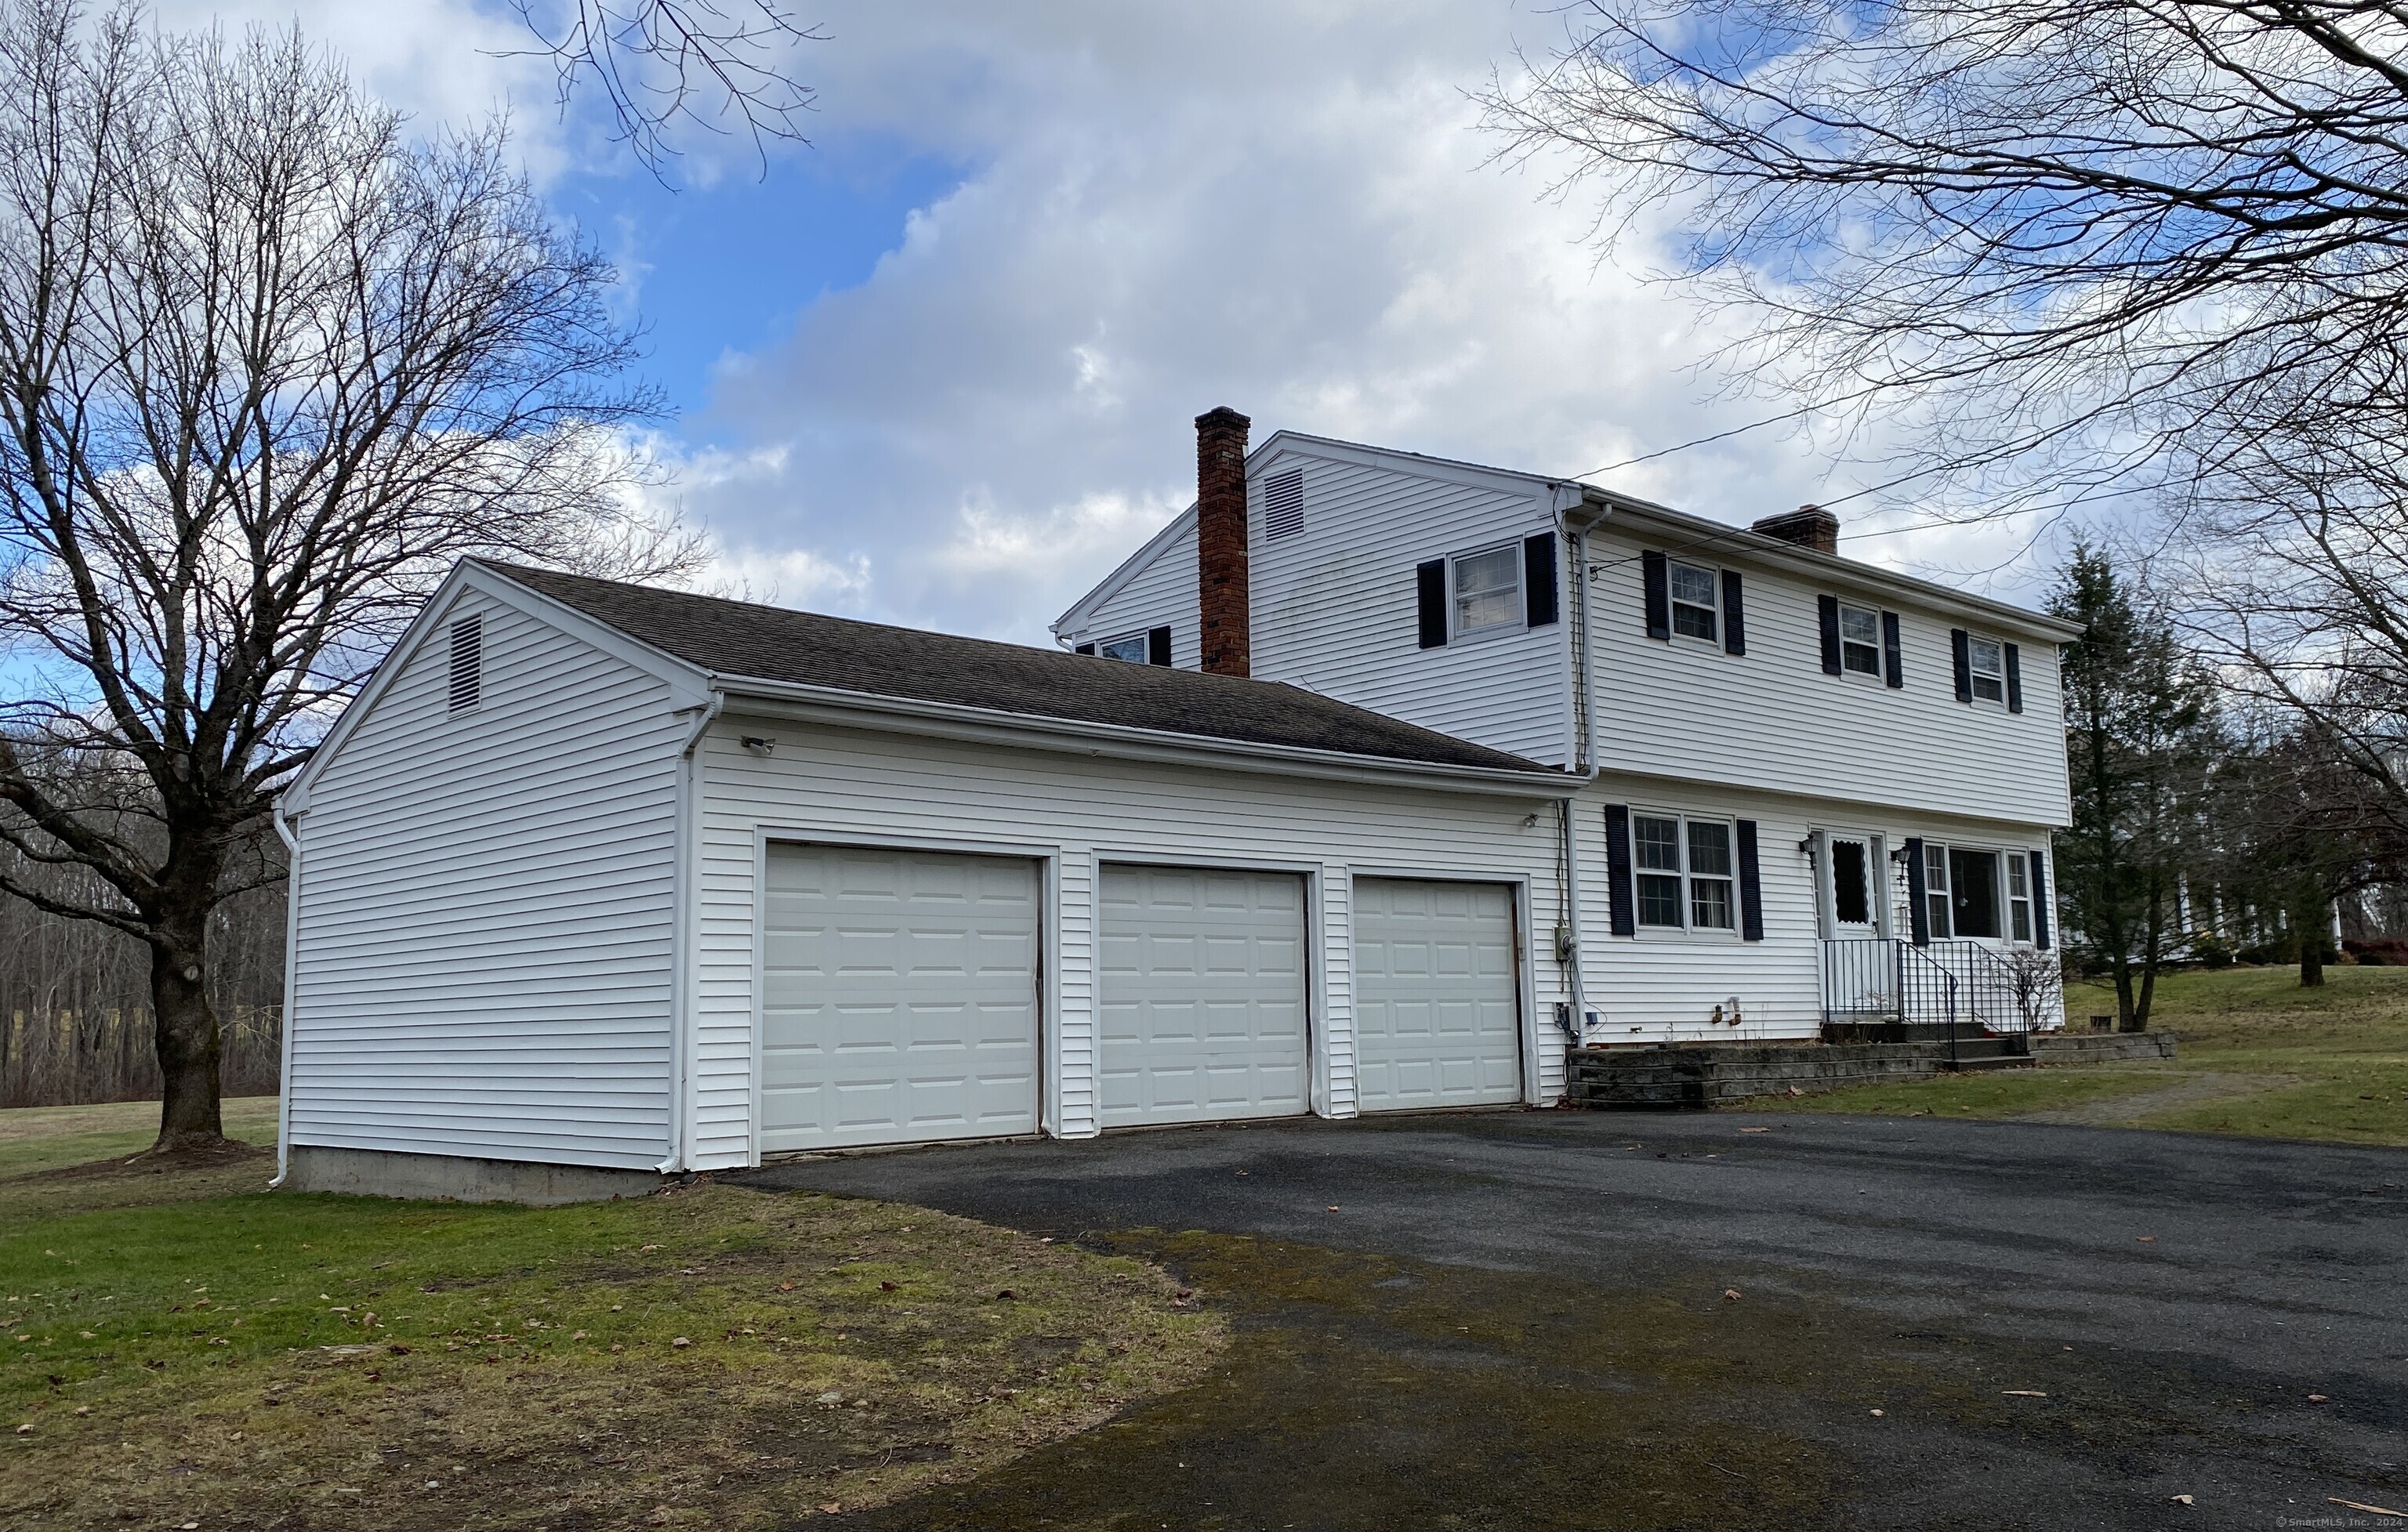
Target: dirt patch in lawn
[(716, 1357), (2183, 1091)]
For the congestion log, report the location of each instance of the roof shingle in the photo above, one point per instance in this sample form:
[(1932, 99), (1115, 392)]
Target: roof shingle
[(740, 639)]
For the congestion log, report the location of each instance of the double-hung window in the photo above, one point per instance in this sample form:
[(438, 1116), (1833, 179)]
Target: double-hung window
[(1697, 602), (1860, 641), (1935, 890), (1488, 590), (1986, 663), (1684, 872), (1131, 648), (2019, 903)]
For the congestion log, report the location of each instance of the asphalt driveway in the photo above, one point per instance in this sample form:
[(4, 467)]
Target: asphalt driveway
[(1525, 1320)]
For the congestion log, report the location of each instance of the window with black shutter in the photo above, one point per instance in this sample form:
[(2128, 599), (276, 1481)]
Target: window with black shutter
[(1429, 584), (1654, 574), (1893, 656)]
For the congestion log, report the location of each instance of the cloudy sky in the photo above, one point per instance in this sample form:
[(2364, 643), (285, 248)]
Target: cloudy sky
[(938, 367)]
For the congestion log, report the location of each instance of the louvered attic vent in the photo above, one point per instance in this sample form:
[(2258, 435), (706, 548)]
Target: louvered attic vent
[(1284, 506), (467, 662)]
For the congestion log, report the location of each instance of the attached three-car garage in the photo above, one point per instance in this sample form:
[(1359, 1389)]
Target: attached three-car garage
[(687, 885)]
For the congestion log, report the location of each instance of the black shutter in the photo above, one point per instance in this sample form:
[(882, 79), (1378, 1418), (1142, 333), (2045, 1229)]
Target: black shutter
[(2014, 678), (1085, 649), (1827, 613), (1893, 652), (1918, 909), (1538, 579), (1751, 887), (2040, 900), (1430, 581), (1157, 645), (1622, 905), (1660, 595), (1734, 626), (1962, 647)]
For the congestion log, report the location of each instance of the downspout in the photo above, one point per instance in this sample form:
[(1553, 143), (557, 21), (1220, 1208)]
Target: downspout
[(286, 833), (684, 919), (1567, 947)]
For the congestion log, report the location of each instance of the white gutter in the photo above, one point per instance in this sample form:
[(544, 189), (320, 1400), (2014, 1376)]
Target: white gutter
[(286, 833), (840, 708), (685, 881)]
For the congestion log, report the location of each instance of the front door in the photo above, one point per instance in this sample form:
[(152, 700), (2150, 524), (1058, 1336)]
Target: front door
[(1852, 886)]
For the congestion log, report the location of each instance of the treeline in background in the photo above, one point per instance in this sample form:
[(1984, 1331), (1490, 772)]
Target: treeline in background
[(75, 995)]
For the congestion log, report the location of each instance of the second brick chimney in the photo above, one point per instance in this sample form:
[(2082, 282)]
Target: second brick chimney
[(1808, 526), (1220, 539)]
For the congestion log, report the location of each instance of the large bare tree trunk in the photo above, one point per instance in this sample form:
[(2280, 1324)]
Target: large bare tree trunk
[(187, 1039)]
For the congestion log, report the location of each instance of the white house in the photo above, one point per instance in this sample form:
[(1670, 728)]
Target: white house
[(1378, 781), (1807, 787)]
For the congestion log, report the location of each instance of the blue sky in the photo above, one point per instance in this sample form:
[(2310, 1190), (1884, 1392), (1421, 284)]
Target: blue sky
[(938, 367)]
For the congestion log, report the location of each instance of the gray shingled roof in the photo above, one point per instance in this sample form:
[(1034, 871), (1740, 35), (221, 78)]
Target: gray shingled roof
[(740, 639)]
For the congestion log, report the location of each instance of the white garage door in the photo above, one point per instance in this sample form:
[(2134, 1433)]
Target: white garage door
[(1437, 1012), (1200, 991), (899, 997)]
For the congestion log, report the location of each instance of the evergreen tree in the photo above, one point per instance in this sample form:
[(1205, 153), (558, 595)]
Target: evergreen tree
[(2140, 730)]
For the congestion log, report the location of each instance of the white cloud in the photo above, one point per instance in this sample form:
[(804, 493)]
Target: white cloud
[(1279, 207), (1173, 209)]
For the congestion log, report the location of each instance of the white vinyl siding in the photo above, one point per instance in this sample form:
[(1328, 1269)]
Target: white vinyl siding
[(1160, 594), (899, 997), (1439, 998), (1665, 986), (1334, 609), (1200, 996), (1773, 723), (1075, 813), (483, 939)]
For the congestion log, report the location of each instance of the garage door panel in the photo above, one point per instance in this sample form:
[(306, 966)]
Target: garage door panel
[(899, 997), (1200, 989), (1438, 1008)]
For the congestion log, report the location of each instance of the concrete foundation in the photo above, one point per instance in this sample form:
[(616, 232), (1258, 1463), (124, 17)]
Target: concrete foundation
[(451, 1178)]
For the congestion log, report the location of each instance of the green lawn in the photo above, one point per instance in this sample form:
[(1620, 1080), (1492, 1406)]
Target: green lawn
[(182, 1346), (2260, 1057)]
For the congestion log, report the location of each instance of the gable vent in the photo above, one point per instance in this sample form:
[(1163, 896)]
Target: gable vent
[(1284, 506), (467, 662)]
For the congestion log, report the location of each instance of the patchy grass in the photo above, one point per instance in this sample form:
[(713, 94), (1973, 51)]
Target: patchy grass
[(1991, 1093), (45, 1138), (715, 1356), (2260, 1056)]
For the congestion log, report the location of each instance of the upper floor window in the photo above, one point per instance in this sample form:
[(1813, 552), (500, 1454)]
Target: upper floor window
[(1695, 602), (1986, 662), (1860, 640), (1684, 872), (1130, 647), (1488, 590)]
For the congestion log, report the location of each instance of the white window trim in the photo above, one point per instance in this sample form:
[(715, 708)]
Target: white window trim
[(1974, 677), (2006, 937), (1673, 604), (1878, 675), (1687, 930), (1142, 637), (1517, 623)]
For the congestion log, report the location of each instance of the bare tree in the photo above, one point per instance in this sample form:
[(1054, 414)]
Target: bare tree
[(663, 64), (267, 369), (2079, 246)]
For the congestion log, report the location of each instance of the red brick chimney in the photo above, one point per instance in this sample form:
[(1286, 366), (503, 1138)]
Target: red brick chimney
[(1808, 526), (1221, 538)]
